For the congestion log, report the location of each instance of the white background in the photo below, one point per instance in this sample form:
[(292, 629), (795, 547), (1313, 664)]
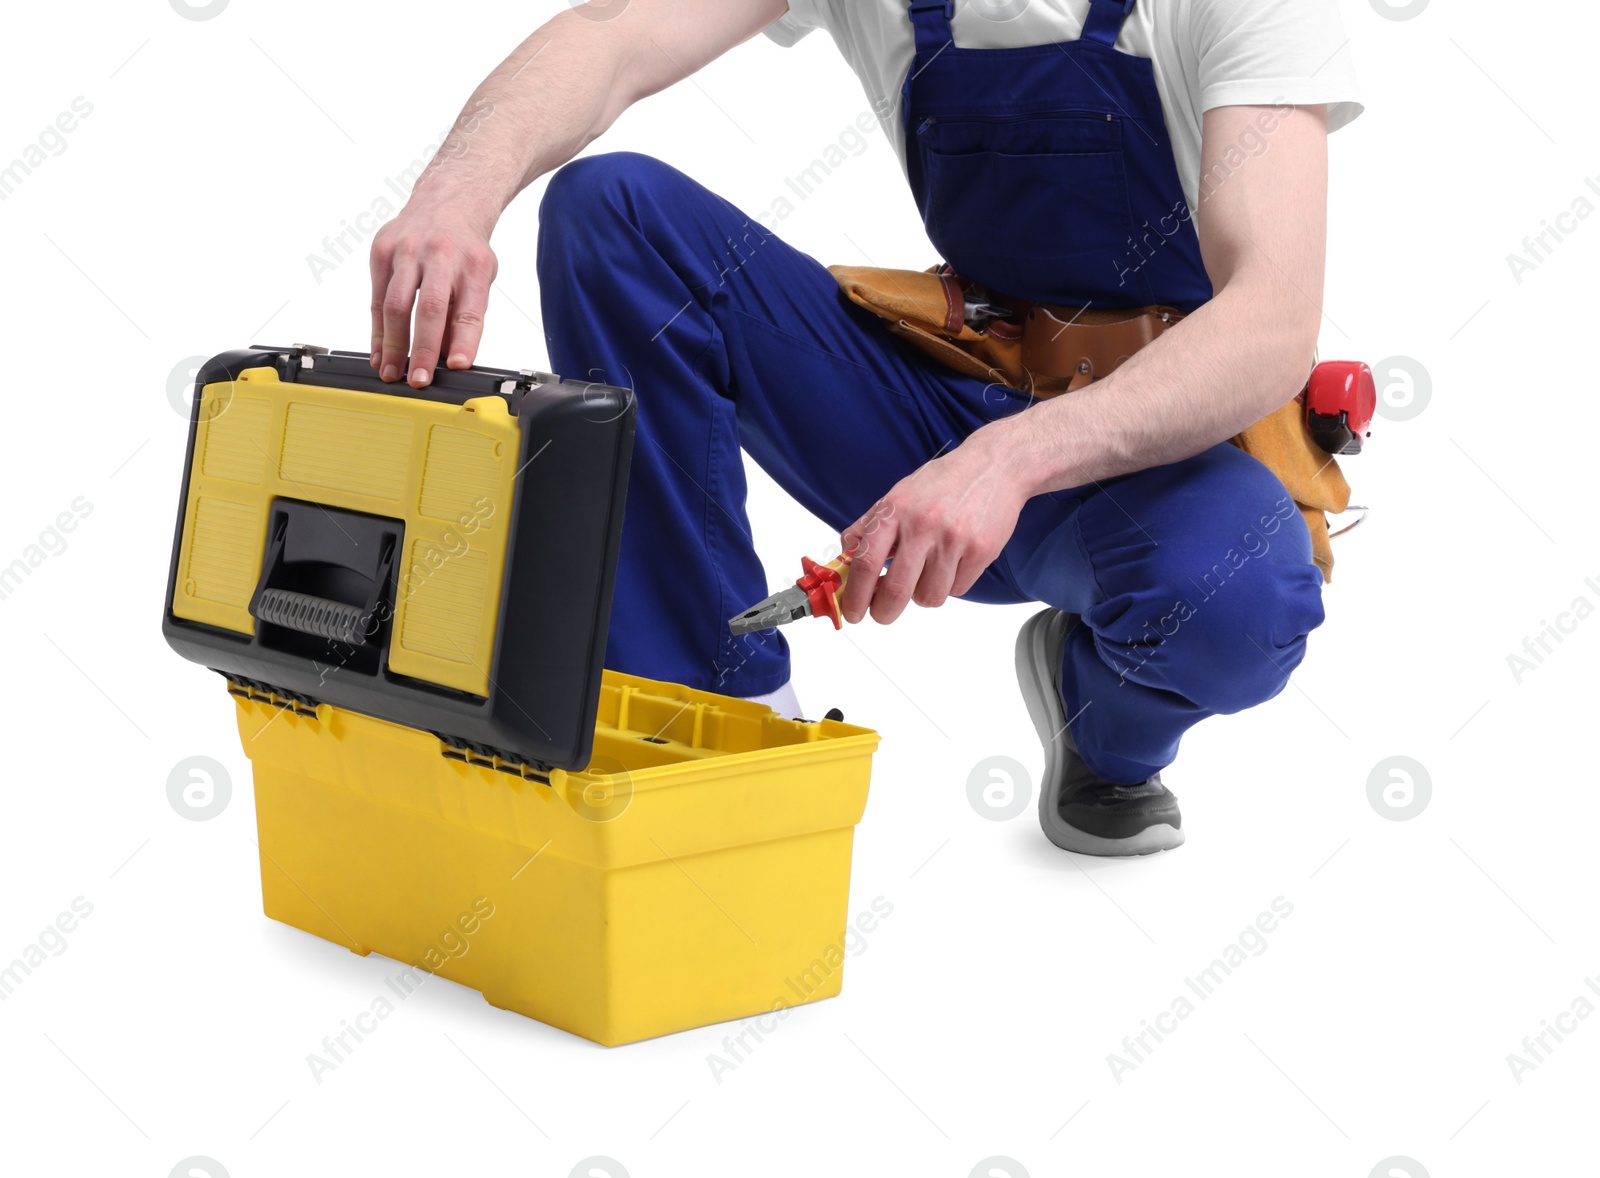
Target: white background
[(978, 1020)]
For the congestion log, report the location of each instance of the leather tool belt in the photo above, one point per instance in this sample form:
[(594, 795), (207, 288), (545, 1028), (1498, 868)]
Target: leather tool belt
[(1045, 350)]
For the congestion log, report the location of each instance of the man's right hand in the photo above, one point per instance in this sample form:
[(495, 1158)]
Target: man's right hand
[(436, 257)]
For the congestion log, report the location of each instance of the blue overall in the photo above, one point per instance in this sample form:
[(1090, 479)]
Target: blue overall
[(1044, 173)]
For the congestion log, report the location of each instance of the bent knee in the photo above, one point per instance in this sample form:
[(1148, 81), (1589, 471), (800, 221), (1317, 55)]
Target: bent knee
[(600, 183), (1225, 638), (1260, 609)]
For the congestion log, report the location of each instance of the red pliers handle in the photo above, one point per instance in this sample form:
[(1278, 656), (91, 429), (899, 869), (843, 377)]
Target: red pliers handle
[(822, 584)]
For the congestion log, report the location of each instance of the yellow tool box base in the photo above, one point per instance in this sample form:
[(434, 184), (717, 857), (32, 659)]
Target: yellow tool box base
[(697, 871)]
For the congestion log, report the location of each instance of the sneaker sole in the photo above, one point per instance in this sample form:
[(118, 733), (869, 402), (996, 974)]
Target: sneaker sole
[(1038, 640)]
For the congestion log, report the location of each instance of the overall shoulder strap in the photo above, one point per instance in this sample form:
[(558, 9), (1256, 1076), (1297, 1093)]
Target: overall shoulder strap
[(1105, 20), (931, 21)]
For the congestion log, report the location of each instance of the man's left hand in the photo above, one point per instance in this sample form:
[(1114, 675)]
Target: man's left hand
[(942, 525)]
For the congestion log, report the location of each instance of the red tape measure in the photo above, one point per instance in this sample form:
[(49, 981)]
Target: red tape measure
[(1340, 399)]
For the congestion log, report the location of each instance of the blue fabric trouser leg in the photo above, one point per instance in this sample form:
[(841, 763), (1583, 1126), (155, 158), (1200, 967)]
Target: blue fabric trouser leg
[(1194, 581)]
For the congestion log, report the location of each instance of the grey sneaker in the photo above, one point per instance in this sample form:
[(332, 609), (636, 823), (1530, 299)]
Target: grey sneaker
[(1079, 811)]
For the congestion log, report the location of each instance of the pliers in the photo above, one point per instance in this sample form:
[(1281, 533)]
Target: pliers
[(815, 594)]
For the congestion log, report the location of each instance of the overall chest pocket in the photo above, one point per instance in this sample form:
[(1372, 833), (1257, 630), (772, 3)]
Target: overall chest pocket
[(1034, 206)]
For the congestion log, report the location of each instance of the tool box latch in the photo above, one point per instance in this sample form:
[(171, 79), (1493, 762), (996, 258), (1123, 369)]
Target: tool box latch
[(528, 379), (305, 354)]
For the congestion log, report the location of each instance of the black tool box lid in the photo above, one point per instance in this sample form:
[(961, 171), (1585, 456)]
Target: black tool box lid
[(322, 609)]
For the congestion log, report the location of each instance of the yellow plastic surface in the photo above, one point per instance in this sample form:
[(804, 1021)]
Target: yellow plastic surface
[(446, 471), (697, 871)]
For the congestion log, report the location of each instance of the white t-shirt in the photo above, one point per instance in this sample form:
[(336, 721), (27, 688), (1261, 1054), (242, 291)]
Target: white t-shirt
[(1206, 53)]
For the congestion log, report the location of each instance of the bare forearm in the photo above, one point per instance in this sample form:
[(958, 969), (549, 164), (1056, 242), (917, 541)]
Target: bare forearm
[(1229, 364), (538, 108), (568, 82)]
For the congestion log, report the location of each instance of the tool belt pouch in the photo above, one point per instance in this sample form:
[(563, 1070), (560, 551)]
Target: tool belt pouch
[(928, 311), (1283, 444), (1047, 350)]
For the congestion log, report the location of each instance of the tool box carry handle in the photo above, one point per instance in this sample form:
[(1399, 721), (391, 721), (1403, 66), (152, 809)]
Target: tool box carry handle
[(321, 617), (328, 573)]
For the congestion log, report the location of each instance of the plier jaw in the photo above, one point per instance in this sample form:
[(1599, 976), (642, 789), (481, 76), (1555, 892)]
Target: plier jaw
[(778, 610)]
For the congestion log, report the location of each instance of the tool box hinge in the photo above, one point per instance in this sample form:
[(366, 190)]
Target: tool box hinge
[(278, 697), (472, 753)]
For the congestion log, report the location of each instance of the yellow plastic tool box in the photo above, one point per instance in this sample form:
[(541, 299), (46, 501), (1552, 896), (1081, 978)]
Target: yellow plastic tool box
[(407, 592)]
